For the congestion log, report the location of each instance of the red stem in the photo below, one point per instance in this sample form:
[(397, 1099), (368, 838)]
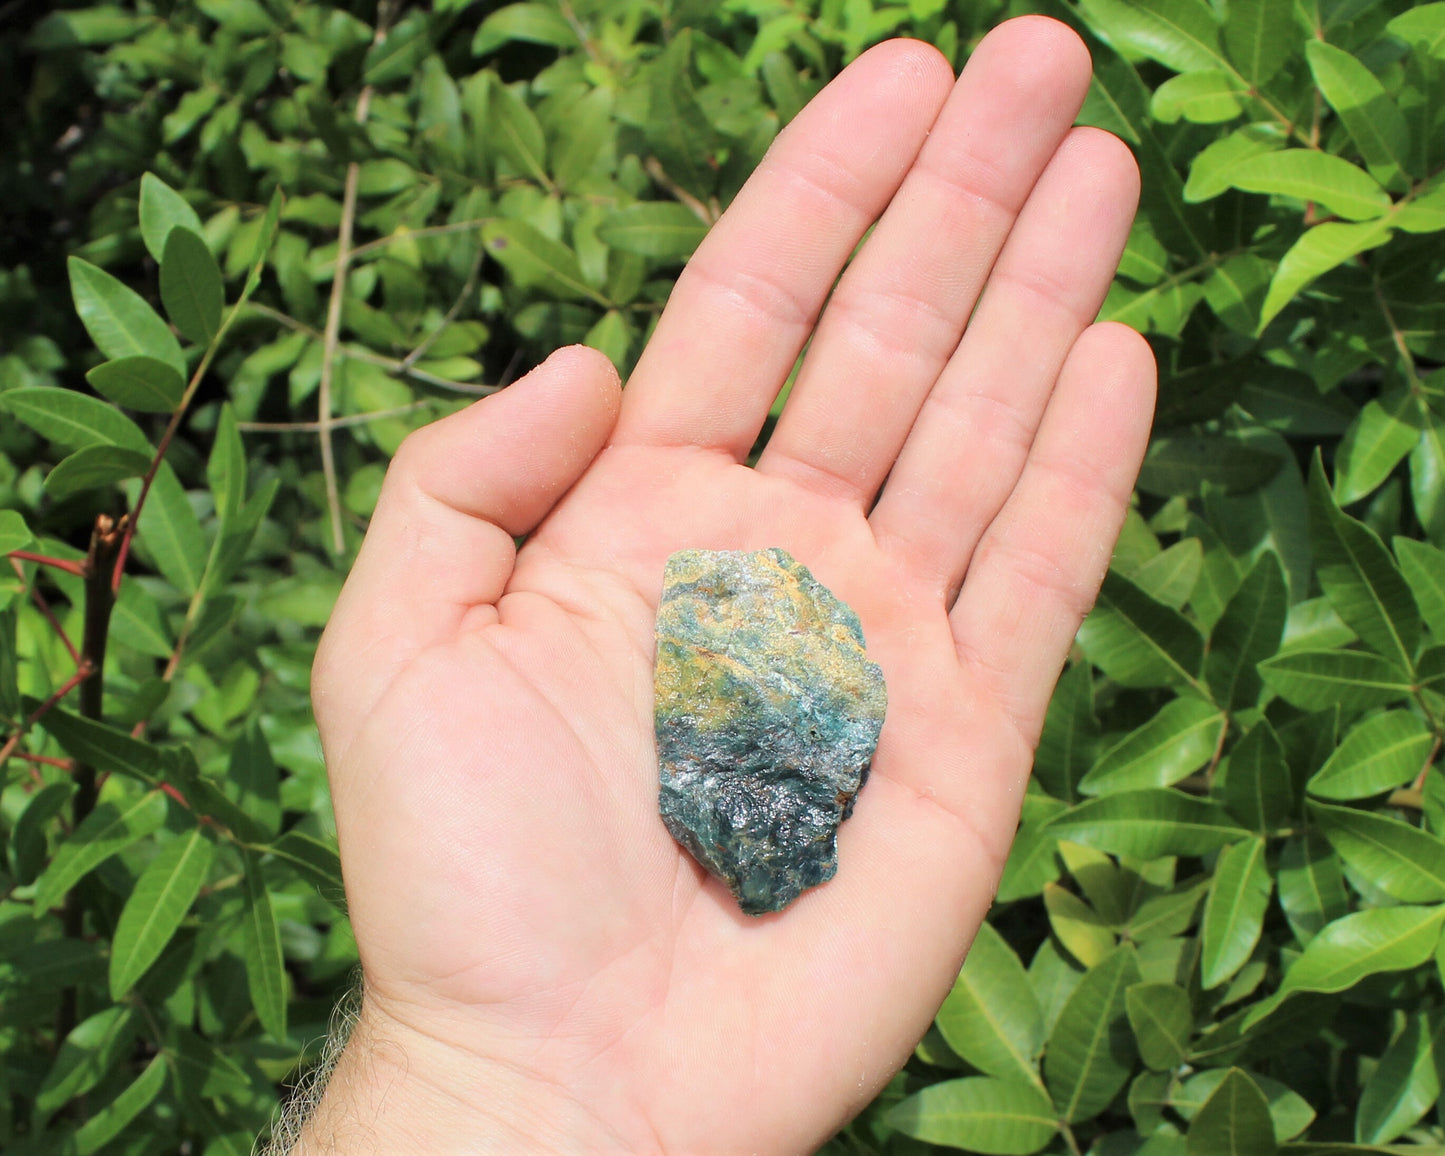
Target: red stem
[(44, 606), (84, 671), (76, 568)]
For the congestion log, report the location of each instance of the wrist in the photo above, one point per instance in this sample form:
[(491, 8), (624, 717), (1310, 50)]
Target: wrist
[(398, 1089)]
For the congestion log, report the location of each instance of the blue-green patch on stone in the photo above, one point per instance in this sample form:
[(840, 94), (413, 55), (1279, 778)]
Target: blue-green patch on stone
[(767, 715)]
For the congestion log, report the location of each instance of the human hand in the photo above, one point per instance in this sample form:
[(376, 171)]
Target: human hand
[(545, 968)]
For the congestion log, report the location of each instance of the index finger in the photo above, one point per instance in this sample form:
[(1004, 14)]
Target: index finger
[(746, 303)]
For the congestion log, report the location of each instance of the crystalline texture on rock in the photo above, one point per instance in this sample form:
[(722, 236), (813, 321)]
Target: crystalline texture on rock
[(767, 714)]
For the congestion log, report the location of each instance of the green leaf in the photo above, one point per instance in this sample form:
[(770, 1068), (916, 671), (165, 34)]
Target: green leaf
[(1090, 1053), (1423, 568), (517, 132), (1377, 755), (142, 383), (102, 24), (1406, 1082), (102, 747), (401, 53), (1372, 119), (1082, 931), (118, 319), (1260, 37), (678, 131), (1360, 578), (534, 23), (1172, 745), (161, 210), (1171, 575), (14, 533), (1379, 939), (1147, 824), (1138, 641), (92, 467), (52, 964), (1234, 1121), (1234, 912), (1317, 679), (110, 828), (1309, 175), (191, 287), (1162, 1020), (1182, 34), (1289, 1112), (261, 940), (28, 851), (535, 261), (206, 799), (253, 776), (1119, 101), (1311, 885), (979, 1114), (87, 1055), (1166, 915), (265, 235), (1378, 439), (1205, 97), (73, 419), (1422, 24), (662, 230), (1257, 790), (991, 1017), (1211, 172), (1248, 632), (315, 862), (226, 471), (104, 1125), (153, 912), (171, 532), (1182, 464), (1321, 248), (1070, 735), (1402, 861)]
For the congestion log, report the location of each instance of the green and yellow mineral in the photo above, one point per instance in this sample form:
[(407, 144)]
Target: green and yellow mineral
[(767, 714)]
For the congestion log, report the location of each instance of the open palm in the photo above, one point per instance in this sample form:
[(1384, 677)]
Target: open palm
[(544, 964)]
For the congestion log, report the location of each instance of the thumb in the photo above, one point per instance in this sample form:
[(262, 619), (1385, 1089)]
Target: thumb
[(441, 540)]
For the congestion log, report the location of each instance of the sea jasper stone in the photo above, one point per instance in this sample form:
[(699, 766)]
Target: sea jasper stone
[(767, 713)]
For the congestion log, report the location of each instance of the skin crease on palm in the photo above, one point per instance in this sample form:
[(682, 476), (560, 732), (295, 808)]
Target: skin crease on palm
[(546, 970)]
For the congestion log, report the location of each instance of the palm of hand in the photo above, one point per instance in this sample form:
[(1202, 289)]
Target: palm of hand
[(557, 905), (488, 718)]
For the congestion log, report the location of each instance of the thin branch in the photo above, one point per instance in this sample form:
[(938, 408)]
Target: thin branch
[(44, 607), (330, 342), (129, 522), (339, 423), (45, 560), (81, 674), (1419, 783), (413, 234), (659, 175), (46, 760), (390, 364), (1407, 359), (451, 315), (332, 337)]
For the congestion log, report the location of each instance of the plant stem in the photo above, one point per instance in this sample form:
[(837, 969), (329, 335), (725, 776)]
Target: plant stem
[(45, 560), (107, 540), (329, 345)]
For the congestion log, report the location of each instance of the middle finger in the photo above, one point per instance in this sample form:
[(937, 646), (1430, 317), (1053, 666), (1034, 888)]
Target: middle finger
[(899, 310)]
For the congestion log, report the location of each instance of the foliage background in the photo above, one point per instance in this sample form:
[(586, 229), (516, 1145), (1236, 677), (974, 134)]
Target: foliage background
[(1220, 928)]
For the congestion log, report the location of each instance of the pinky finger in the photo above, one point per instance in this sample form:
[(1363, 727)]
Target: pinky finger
[(1038, 567)]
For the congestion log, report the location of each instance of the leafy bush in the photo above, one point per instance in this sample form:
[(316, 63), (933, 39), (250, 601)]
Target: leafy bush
[(357, 219)]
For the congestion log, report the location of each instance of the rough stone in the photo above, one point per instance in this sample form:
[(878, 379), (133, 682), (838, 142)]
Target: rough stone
[(767, 715)]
